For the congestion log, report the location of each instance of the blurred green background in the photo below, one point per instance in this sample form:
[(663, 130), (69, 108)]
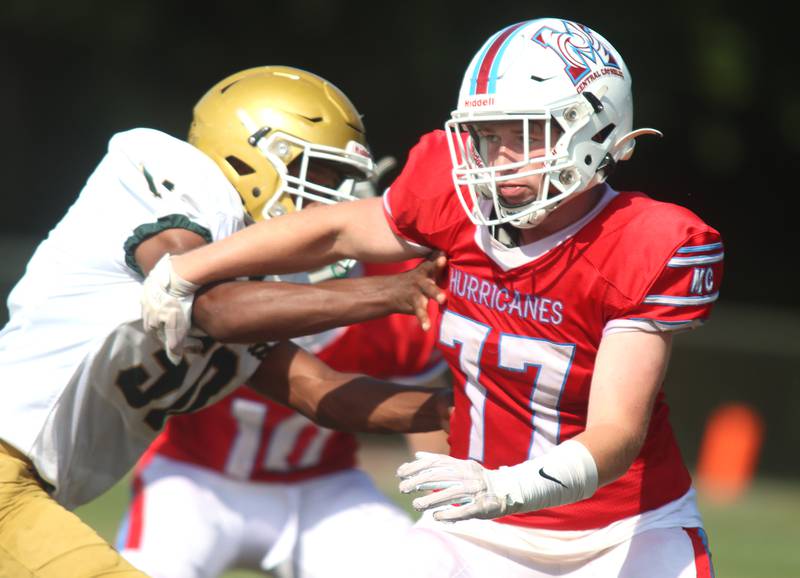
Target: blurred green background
[(719, 80)]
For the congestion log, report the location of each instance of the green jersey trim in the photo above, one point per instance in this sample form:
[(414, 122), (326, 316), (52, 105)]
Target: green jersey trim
[(144, 232)]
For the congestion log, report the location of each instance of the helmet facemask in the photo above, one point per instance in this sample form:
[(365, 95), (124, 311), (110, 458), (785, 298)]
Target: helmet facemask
[(479, 174), (292, 159)]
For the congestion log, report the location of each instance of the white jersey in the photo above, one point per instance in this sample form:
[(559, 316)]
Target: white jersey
[(83, 389)]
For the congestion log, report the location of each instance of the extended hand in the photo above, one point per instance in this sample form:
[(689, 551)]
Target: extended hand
[(465, 488), (564, 475), (167, 307), (416, 286)]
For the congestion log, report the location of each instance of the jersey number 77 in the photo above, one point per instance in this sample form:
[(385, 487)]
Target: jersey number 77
[(515, 353)]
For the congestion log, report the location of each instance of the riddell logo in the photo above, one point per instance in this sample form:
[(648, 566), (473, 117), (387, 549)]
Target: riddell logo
[(479, 101)]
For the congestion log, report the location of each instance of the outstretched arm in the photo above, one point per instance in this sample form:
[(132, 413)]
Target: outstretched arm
[(254, 311), (300, 241), (347, 401)]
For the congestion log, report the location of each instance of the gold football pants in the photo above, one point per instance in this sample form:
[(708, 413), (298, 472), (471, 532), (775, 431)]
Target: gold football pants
[(41, 539)]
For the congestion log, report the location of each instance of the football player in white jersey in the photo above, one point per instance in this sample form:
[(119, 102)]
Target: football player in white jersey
[(85, 389), (563, 298), (248, 483)]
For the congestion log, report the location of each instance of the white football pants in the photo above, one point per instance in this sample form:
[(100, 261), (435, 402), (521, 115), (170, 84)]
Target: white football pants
[(190, 522)]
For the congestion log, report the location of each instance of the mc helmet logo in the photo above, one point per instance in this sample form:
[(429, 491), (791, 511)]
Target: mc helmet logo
[(578, 48)]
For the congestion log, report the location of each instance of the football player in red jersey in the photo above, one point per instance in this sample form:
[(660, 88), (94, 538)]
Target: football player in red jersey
[(563, 298)]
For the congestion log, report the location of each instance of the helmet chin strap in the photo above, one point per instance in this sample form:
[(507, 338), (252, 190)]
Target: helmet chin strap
[(531, 220), (337, 270), (535, 218)]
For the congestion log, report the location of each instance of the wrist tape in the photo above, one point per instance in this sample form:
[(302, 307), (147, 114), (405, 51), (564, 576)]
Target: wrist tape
[(564, 475)]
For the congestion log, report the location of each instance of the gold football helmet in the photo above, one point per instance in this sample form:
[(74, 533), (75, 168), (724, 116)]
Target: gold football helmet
[(271, 129)]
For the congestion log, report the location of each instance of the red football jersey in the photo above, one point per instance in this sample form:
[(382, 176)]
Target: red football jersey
[(522, 326), (247, 436)]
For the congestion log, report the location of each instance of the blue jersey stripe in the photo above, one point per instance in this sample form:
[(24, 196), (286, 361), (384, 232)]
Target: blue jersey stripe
[(699, 260), (700, 248), (680, 301)]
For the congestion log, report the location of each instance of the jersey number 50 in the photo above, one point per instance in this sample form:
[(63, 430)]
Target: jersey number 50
[(141, 390)]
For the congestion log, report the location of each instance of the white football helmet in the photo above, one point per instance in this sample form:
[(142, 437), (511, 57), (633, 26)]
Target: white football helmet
[(546, 70)]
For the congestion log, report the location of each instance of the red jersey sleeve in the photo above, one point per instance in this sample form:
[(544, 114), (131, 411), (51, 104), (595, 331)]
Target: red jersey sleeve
[(688, 285), (421, 205), (672, 268)]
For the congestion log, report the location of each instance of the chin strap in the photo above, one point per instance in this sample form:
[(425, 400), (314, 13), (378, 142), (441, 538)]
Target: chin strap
[(533, 219), (338, 270)]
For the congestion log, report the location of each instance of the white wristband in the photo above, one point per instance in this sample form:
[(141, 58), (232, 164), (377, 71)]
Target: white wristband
[(564, 475)]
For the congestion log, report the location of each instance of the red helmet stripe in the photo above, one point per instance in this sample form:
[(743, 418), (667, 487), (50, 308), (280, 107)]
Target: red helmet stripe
[(489, 56)]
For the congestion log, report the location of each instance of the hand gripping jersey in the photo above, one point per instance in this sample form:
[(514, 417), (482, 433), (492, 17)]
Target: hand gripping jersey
[(522, 326), (84, 390), (248, 437)]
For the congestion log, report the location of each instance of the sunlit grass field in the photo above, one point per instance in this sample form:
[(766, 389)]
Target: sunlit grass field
[(758, 536)]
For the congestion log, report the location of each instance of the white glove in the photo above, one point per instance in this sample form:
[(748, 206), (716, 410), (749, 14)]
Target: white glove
[(167, 307), (564, 475), (466, 488)]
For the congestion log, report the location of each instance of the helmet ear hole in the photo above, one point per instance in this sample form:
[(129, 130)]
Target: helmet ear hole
[(238, 165), (602, 135)]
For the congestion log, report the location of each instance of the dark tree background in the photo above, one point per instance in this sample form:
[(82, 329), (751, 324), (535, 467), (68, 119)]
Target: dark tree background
[(718, 81)]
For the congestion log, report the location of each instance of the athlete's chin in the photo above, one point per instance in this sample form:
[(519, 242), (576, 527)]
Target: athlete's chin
[(515, 196)]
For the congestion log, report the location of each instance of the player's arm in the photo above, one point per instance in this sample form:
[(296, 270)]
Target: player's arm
[(277, 310), (433, 441), (628, 374), (347, 401), (629, 370), (300, 241)]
